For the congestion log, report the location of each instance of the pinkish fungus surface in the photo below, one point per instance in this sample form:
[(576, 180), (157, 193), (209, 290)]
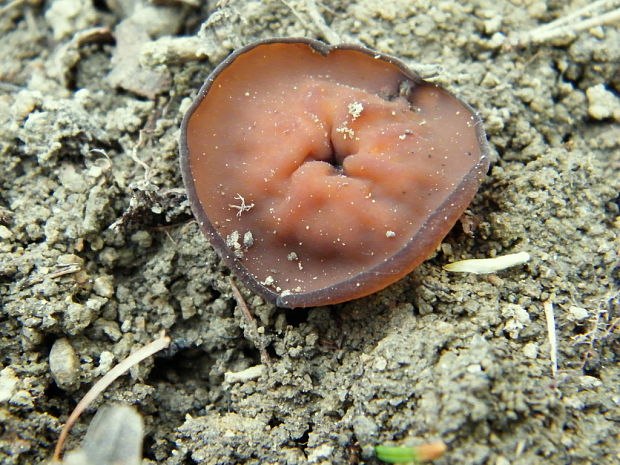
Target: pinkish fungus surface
[(323, 174)]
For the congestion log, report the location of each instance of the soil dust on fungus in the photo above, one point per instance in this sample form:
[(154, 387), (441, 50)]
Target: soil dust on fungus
[(99, 251)]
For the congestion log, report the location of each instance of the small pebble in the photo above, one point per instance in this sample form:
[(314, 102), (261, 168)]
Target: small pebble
[(245, 375), (602, 103), (104, 286), (589, 382), (577, 314), (8, 383), (106, 361), (5, 233), (380, 363), (530, 350), (64, 364), (142, 239)]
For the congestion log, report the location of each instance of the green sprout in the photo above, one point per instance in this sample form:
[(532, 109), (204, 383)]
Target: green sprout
[(410, 455)]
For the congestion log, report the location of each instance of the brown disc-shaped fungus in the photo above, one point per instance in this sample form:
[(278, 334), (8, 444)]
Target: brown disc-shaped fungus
[(323, 174)]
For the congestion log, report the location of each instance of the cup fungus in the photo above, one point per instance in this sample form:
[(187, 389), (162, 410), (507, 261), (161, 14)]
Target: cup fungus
[(323, 174)]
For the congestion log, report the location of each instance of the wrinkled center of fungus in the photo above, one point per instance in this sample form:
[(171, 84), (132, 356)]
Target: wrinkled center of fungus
[(324, 161)]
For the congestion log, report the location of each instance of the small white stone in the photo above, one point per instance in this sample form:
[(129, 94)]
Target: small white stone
[(5, 233), (602, 103), (589, 382), (530, 350), (8, 383), (106, 361), (577, 314), (474, 368), (380, 363), (248, 239), (104, 286), (64, 363)]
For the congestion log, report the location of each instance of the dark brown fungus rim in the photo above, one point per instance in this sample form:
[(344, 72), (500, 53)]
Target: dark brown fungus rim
[(410, 254)]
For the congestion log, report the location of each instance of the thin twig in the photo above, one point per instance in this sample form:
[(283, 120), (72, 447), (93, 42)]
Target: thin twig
[(577, 14), (611, 327), (11, 5), (607, 18), (148, 350), (320, 26), (138, 160), (254, 335), (551, 335), (570, 23), (318, 20), (61, 270)]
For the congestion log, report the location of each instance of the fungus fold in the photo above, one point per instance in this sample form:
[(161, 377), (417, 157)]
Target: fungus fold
[(343, 168)]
